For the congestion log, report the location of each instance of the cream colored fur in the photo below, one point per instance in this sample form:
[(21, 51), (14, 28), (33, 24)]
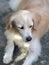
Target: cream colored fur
[(34, 13)]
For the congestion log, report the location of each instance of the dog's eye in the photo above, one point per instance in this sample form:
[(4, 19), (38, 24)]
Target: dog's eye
[(30, 26)]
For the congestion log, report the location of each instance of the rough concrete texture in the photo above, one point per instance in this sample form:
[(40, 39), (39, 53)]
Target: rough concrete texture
[(43, 60)]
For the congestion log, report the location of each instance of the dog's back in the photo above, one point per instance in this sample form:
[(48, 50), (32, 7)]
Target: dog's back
[(25, 4)]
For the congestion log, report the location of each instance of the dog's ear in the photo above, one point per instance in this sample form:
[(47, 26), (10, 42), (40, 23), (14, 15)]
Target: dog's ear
[(36, 20), (9, 23), (8, 20)]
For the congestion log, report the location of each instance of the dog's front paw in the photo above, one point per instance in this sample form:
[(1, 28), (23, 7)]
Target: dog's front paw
[(7, 59)]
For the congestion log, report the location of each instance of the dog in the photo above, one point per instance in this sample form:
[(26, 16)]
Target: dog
[(26, 27)]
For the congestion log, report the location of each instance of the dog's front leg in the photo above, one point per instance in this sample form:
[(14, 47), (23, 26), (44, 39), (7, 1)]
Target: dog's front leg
[(34, 52), (8, 52)]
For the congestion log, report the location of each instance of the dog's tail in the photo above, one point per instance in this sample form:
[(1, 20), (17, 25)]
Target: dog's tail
[(14, 4)]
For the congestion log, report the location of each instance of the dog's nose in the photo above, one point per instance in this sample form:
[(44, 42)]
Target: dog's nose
[(28, 38)]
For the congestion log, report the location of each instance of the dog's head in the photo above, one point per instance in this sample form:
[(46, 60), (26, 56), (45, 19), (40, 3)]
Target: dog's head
[(25, 23)]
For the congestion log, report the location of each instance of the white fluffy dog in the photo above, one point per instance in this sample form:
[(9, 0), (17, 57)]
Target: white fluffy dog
[(26, 27)]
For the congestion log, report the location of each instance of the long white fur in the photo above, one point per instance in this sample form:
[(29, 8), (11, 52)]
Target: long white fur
[(34, 49)]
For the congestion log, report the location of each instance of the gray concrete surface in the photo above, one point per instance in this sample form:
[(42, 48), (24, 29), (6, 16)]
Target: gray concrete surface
[(43, 60)]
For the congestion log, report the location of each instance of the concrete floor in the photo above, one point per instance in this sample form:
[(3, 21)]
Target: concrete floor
[(43, 60)]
